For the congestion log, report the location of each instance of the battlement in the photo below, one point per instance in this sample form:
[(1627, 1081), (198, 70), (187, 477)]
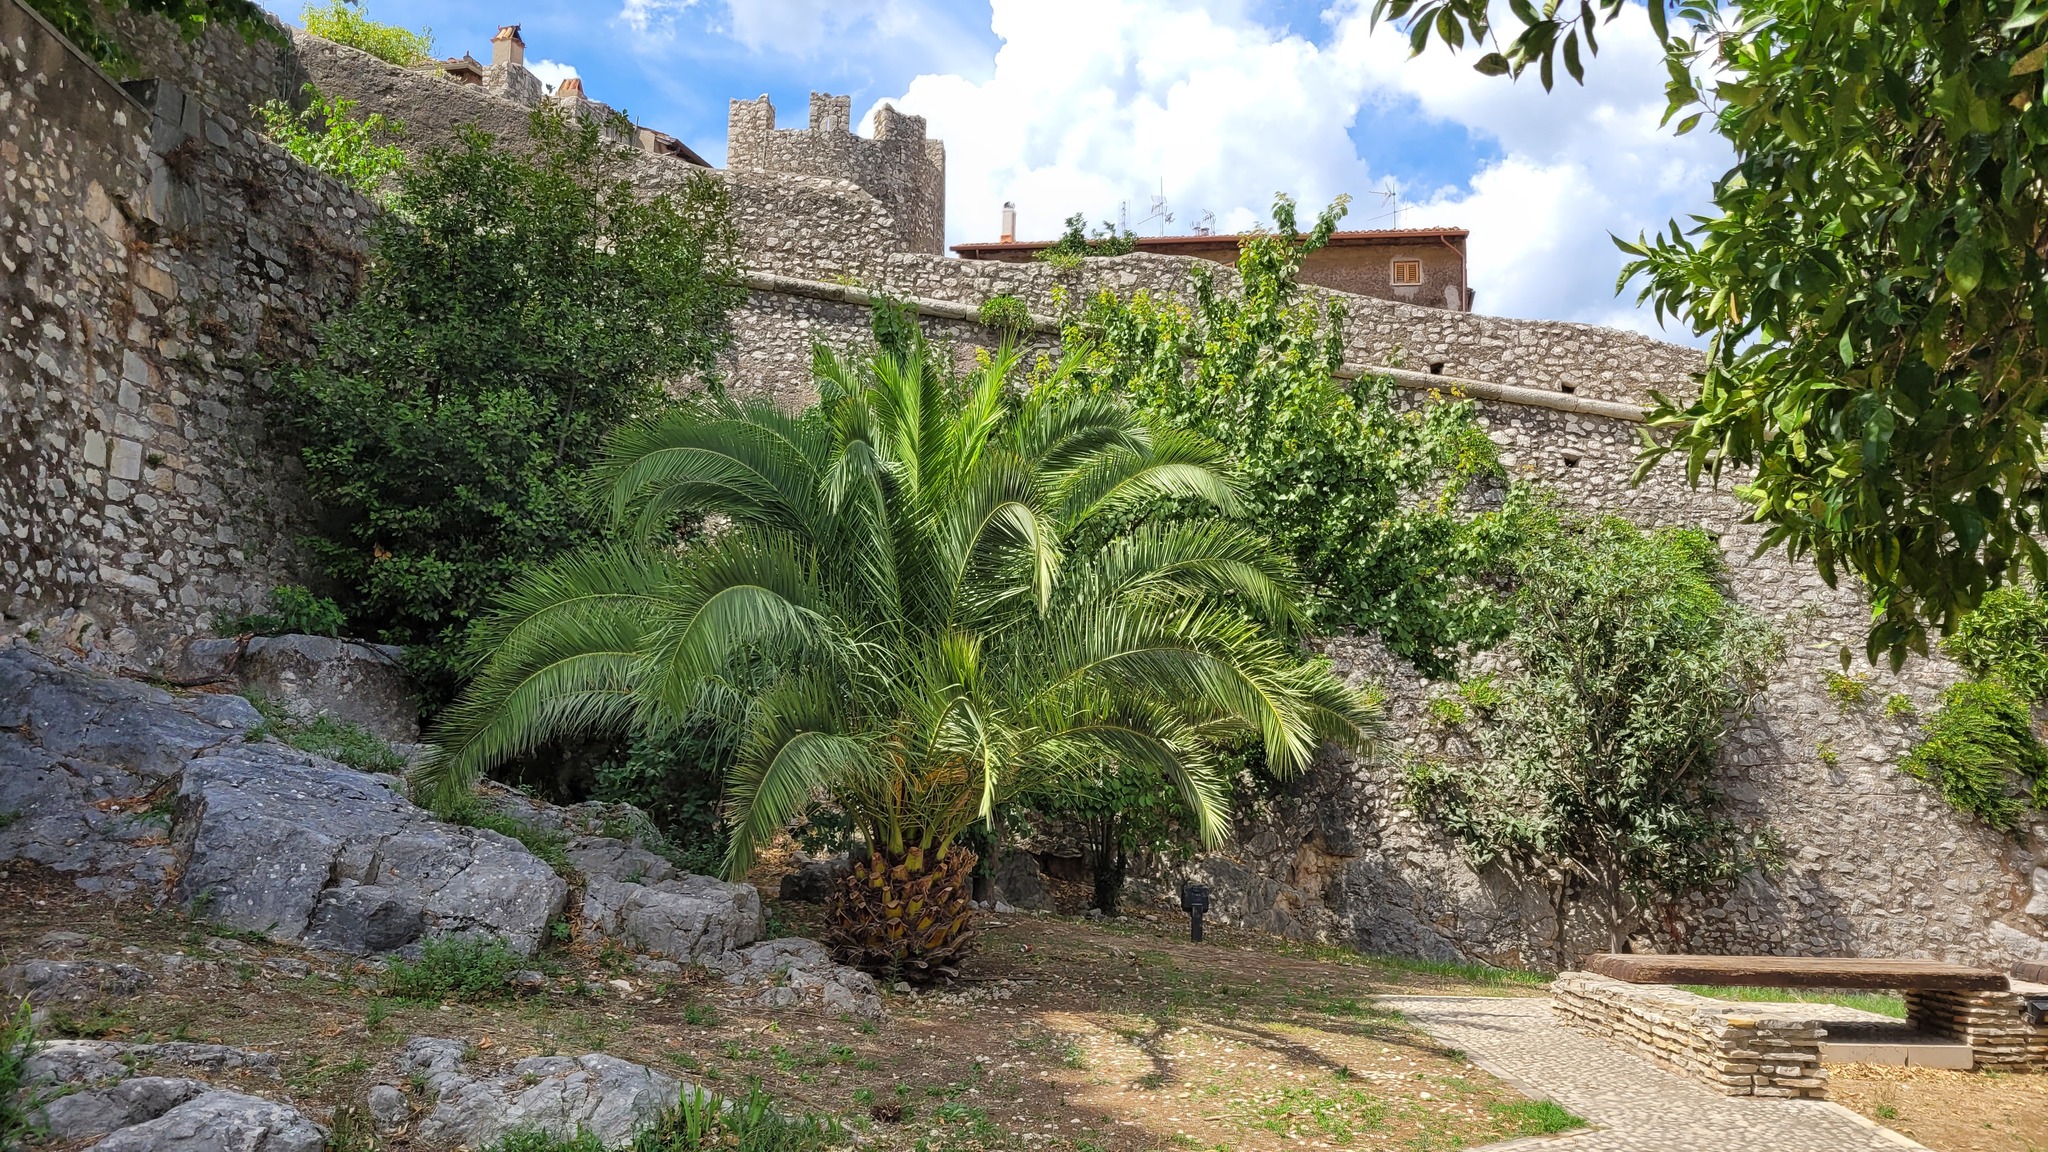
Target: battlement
[(897, 166)]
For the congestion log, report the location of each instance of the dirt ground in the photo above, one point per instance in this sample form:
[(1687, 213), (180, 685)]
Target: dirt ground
[(1062, 1035), (1949, 1111)]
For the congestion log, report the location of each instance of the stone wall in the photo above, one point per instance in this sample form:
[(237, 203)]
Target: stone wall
[(1991, 1023), (157, 253), (1736, 1049)]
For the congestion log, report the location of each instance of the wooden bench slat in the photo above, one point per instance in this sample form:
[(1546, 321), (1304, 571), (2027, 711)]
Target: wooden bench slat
[(1797, 972)]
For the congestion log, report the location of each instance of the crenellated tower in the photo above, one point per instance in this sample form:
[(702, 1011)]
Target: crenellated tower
[(898, 166)]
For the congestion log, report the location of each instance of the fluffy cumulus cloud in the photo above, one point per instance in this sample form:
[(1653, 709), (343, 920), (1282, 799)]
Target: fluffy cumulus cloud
[(1093, 103), (551, 73)]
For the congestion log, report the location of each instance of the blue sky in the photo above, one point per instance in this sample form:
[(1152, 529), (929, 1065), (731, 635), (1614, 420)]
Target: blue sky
[(1086, 105)]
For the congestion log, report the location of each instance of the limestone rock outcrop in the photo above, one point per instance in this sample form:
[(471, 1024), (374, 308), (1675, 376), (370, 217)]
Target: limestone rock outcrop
[(637, 896), (112, 1092), (607, 1097)]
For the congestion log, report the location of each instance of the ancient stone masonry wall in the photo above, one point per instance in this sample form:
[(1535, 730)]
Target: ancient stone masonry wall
[(899, 167), (1734, 1049), (157, 252), (799, 223)]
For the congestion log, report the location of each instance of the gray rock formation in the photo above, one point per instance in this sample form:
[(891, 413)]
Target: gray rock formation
[(287, 845), (308, 676), (812, 880), (46, 982), (561, 1095), (99, 1088), (1019, 882), (642, 899), (796, 971), (261, 836), (221, 1121)]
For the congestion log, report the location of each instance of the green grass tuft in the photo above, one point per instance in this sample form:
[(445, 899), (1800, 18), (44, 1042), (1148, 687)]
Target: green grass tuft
[(17, 1042), (1536, 1117), (454, 968), (1882, 1003)]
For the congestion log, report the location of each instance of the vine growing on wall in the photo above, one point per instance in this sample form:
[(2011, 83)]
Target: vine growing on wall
[(1629, 664), (77, 21), (1981, 750)]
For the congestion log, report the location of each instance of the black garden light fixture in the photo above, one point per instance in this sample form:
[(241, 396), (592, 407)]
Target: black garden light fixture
[(1194, 900), (2034, 1009)]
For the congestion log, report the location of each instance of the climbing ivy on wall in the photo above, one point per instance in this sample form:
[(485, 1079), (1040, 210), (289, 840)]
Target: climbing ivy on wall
[(518, 308), (1981, 750), (76, 21), (1628, 664), (1365, 492)]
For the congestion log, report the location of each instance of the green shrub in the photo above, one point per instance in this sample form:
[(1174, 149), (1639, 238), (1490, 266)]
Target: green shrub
[(293, 610), (326, 135), (1006, 314), (678, 780), (1076, 243), (1448, 711), (1898, 706), (521, 305), (1594, 785), (17, 1043), (1981, 753), (2006, 638), (454, 968), (1847, 690), (346, 23)]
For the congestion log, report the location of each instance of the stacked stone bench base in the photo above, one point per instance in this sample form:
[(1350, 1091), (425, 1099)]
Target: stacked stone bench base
[(1737, 1049), (1993, 1024)]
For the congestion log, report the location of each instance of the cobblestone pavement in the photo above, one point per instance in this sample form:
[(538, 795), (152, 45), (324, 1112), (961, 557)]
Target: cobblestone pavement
[(1634, 1105)]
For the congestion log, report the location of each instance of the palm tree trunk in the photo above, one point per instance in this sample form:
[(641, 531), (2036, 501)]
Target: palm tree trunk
[(904, 916)]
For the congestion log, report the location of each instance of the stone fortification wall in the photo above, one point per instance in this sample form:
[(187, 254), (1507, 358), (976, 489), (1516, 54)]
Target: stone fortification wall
[(898, 167), (796, 222), (156, 252)]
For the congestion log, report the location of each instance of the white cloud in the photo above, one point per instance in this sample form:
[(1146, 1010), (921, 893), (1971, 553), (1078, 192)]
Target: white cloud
[(1227, 112), (551, 73), (650, 15)]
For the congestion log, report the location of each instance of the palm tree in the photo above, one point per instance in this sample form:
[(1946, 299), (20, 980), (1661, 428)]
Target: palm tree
[(921, 596)]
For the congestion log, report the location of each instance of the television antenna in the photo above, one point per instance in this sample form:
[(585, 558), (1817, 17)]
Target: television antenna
[(1160, 212), (1390, 199)]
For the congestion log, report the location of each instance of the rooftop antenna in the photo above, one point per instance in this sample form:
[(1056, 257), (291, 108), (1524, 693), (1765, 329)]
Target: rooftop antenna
[(1160, 212), (1390, 198), (1206, 225)]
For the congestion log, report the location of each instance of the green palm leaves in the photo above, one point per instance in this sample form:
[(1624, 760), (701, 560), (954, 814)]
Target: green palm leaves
[(919, 598)]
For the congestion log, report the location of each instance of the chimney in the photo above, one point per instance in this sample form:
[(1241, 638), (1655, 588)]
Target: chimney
[(507, 47), (1009, 222), (570, 89)]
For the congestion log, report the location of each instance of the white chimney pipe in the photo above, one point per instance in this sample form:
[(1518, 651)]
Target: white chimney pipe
[(1009, 222)]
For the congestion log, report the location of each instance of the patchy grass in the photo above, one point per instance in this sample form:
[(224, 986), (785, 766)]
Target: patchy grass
[(1882, 1003), (1536, 1117), (17, 1041), (1062, 1036), (545, 843), (325, 736)]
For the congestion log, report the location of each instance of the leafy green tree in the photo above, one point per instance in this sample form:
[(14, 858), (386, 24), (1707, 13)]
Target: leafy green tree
[(77, 21), (517, 310), (328, 135), (343, 22), (1873, 278), (1364, 490), (1118, 812), (1076, 244), (1629, 664), (931, 596)]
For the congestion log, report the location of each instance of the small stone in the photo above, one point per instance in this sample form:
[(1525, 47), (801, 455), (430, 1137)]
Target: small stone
[(388, 1108), (61, 938), (286, 966), (527, 980)]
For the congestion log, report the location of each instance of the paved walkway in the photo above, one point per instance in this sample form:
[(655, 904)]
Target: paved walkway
[(1634, 1105)]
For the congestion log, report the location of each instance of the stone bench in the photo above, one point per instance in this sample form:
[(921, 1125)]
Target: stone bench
[(1976, 1008), (1735, 1048)]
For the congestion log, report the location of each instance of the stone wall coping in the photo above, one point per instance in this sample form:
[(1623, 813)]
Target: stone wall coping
[(1733, 1013), (114, 86), (1350, 370)]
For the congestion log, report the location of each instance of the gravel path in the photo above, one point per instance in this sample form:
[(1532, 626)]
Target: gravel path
[(1633, 1104)]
